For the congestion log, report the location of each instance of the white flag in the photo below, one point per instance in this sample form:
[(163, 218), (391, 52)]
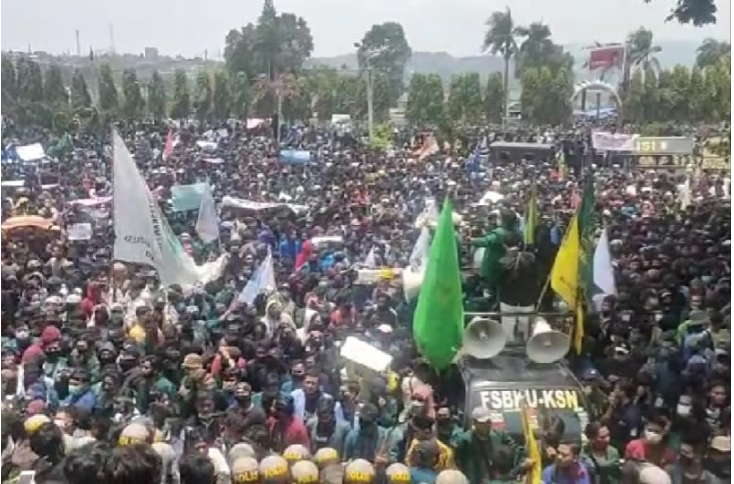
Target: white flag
[(419, 256), (207, 223), (262, 280), (371, 262), (684, 194), (603, 269), (142, 234)]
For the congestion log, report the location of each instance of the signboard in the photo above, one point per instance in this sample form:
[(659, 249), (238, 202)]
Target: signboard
[(667, 145), (511, 400), (711, 158), (615, 142), (663, 161)]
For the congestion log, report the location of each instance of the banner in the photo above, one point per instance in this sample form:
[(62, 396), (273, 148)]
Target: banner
[(606, 141), (81, 231), (606, 57), (232, 202), (188, 197)]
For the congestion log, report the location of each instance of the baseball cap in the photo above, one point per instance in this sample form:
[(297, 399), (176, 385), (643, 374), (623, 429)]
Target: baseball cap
[(135, 433), (481, 414), (192, 361), (34, 423)]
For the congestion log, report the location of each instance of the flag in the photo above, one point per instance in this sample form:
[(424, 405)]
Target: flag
[(586, 231), (684, 194), (142, 233), (472, 163), (587, 237), (262, 280), (371, 262), (603, 269), (168, 149), (419, 256), (438, 321), (428, 148), (531, 445), (207, 222), (565, 271), (561, 165), (531, 216)]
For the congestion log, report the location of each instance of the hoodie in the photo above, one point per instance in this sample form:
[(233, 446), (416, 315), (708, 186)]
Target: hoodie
[(50, 334), (91, 301)]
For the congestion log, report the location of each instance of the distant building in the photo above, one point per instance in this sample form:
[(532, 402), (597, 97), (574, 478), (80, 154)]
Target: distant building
[(151, 53)]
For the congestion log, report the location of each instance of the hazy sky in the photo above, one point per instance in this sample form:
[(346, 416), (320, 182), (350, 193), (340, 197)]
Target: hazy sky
[(455, 26)]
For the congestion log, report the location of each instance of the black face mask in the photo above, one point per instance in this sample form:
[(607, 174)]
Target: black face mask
[(52, 354), (367, 426), (127, 364)]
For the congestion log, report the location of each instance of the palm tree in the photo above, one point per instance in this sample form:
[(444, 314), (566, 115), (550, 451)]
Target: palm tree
[(710, 51), (641, 51), (536, 47), (500, 39)]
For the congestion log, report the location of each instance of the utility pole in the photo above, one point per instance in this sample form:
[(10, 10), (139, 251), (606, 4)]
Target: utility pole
[(370, 113), (112, 39), (78, 45)]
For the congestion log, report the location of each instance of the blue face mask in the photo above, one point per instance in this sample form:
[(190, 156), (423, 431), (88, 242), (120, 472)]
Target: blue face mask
[(706, 279)]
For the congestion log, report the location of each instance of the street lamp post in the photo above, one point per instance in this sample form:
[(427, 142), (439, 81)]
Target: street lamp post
[(368, 80)]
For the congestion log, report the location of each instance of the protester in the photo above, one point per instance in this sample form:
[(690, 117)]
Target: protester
[(119, 371)]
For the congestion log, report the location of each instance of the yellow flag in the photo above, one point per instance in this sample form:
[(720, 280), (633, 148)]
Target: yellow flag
[(565, 272), (533, 451)]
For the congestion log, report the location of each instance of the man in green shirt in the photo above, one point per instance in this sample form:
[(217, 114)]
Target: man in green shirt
[(494, 248), (476, 449)]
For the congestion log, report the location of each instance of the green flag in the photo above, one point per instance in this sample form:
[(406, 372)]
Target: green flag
[(531, 216), (438, 322), (587, 236)]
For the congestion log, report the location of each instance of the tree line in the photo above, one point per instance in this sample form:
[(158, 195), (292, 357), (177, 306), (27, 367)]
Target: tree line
[(265, 70)]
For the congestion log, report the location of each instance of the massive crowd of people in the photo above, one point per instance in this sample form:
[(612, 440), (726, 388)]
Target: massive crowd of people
[(109, 377)]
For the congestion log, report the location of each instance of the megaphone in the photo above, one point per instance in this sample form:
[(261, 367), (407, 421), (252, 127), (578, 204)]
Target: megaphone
[(484, 338), (547, 345), (412, 283)]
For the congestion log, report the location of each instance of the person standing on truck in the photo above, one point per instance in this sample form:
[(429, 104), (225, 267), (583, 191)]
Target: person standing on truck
[(476, 449)]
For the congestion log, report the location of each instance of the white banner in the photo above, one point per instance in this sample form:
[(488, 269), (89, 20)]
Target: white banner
[(606, 141), (233, 202), (82, 231)]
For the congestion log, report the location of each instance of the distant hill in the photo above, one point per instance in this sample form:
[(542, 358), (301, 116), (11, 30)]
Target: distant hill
[(673, 52)]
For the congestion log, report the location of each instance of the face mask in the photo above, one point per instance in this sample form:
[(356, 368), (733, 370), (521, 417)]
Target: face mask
[(60, 423), (75, 389), (22, 335), (683, 410), (653, 437)]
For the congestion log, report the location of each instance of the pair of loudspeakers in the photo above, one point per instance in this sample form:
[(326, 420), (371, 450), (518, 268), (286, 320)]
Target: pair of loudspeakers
[(486, 338)]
